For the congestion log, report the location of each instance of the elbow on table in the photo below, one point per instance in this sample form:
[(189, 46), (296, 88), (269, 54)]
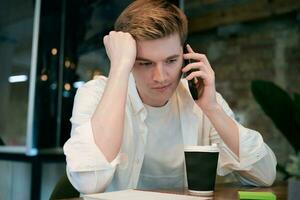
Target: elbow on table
[(269, 179), (89, 182), (263, 178)]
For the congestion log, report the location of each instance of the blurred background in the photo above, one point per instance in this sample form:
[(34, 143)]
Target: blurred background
[(48, 49)]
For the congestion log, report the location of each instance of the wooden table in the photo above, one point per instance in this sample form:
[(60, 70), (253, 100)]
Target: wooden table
[(230, 191)]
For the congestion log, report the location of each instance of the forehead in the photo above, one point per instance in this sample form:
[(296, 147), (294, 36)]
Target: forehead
[(159, 48)]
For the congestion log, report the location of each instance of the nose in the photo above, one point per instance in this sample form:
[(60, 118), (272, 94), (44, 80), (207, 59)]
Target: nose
[(159, 74)]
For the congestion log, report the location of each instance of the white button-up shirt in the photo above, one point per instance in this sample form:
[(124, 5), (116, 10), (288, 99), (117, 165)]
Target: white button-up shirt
[(90, 172)]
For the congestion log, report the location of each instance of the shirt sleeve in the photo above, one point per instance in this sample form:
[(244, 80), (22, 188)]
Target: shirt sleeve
[(256, 164), (85, 161)]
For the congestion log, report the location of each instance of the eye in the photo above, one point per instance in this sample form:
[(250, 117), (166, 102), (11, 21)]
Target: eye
[(171, 61), (144, 63)]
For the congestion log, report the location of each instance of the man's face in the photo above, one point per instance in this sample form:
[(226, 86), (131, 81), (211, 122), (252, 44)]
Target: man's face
[(157, 69)]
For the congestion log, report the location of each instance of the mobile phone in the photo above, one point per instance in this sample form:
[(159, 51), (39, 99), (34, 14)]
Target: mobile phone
[(192, 85)]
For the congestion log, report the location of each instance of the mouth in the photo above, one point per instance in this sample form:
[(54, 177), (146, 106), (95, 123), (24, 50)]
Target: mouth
[(162, 88)]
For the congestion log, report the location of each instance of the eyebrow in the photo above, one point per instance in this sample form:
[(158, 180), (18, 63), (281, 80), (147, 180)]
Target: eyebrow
[(145, 59)]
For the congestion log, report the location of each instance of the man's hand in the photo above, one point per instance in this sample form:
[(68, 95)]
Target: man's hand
[(121, 50), (223, 124), (204, 78)]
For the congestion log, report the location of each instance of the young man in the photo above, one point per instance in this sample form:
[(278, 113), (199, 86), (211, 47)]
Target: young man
[(129, 130)]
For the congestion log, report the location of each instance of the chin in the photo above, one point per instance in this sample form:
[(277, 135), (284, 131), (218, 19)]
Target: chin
[(164, 100), (161, 103), (158, 101)]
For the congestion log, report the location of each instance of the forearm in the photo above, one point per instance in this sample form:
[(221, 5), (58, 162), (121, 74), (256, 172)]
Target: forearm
[(225, 126), (108, 119)]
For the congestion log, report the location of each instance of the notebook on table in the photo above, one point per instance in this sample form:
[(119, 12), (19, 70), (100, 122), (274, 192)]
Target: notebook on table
[(138, 195)]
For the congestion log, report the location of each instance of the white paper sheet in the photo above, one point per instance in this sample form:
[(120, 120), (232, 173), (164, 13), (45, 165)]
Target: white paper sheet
[(140, 195)]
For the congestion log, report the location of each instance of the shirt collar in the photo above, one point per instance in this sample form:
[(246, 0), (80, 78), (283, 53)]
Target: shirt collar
[(190, 114), (134, 96)]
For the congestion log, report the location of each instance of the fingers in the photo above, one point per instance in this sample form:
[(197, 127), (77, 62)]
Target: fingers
[(200, 74), (195, 65), (120, 48), (105, 40), (116, 34), (189, 48), (201, 67), (200, 70), (118, 40), (195, 56)]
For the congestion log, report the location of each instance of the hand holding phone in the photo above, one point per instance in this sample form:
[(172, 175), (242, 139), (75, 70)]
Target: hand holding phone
[(192, 86), (196, 84)]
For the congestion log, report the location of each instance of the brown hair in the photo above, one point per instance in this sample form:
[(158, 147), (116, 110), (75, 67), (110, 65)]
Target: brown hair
[(152, 19)]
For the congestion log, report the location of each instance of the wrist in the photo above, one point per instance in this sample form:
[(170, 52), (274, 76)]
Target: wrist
[(118, 74), (122, 64), (120, 69), (212, 109)]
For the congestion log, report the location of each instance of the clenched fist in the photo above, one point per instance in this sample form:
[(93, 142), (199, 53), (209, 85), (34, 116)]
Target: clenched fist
[(121, 50)]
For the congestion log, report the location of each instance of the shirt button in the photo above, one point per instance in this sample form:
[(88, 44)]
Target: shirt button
[(137, 161)]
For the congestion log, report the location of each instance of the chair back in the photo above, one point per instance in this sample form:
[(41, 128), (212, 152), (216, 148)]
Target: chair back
[(64, 189)]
